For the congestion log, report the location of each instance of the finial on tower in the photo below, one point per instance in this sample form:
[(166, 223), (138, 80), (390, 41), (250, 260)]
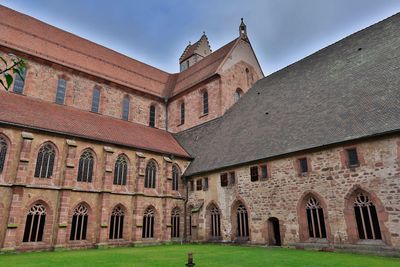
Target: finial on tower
[(242, 30)]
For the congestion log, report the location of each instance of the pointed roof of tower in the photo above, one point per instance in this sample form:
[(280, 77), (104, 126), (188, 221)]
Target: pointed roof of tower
[(192, 49)]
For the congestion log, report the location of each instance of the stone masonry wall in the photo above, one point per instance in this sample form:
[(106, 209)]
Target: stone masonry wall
[(329, 180)]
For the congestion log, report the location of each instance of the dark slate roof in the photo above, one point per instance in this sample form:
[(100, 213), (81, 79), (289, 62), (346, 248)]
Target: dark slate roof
[(346, 91)]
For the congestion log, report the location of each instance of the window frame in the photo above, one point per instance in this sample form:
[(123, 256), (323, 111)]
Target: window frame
[(125, 108), (254, 174), (182, 113), (205, 106), (20, 82), (96, 97), (224, 179), (61, 91), (300, 162), (152, 116), (348, 152)]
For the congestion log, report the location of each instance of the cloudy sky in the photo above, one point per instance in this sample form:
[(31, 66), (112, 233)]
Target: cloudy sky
[(157, 31)]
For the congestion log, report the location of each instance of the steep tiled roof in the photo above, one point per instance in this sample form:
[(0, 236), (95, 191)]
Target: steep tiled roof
[(34, 37), (31, 36), (346, 91), (24, 111)]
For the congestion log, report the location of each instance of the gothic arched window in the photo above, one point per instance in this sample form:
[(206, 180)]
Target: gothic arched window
[(238, 94), (315, 219), (79, 223), (120, 170), (19, 82), (151, 174), (366, 218), (242, 222), (117, 223), (96, 99), (148, 223), (175, 221), (215, 222), (175, 178), (3, 152), (85, 169), (45, 161), (34, 225)]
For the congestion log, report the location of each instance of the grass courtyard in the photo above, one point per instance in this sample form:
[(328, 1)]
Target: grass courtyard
[(204, 255)]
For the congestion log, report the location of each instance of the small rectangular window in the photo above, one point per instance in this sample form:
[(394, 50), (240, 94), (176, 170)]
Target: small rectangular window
[(125, 108), (352, 157), (264, 172), (232, 178), (205, 103), (152, 119), (199, 184), (182, 113), (254, 173), (192, 185), (303, 165), (96, 99), (224, 179), (19, 83), (205, 184), (61, 88)]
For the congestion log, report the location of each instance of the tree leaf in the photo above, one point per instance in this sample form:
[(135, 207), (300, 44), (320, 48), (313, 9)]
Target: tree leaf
[(9, 79), (2, 84), (5, 62)]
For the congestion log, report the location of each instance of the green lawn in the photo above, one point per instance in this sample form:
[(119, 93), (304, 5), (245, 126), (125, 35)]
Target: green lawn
[(204, 255)]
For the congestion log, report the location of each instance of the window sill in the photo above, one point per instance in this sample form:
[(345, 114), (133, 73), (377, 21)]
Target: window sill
[(371, 242), (203, 115), (180, 124)]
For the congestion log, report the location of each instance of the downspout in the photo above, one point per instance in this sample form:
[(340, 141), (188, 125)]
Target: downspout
[(185, 239)]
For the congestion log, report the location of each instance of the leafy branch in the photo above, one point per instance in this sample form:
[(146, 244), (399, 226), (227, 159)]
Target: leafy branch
[(16, 66)]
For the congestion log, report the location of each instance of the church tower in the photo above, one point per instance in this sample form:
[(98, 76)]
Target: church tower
[(193, 53)]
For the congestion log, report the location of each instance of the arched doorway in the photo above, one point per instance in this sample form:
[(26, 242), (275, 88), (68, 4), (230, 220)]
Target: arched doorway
[(274, 232)]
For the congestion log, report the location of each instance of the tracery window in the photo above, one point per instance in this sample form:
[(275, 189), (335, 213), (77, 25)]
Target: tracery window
[(45, 161), (79, 223), (366, 218), (120, 170), (3, 152), (34, 225), (215, 221), (175, 178), (175, 220), (315, 219), (148, 223), (242, 222), (151, 174), (85, 169), (117, 223)]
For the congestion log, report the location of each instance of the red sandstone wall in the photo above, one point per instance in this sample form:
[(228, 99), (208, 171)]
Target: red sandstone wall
[(61, 193)]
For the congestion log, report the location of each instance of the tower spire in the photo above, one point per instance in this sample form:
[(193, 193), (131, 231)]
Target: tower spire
[(242, 30)]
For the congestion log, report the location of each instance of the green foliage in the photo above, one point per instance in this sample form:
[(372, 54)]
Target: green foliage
[(14, 65), (204, 255)]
